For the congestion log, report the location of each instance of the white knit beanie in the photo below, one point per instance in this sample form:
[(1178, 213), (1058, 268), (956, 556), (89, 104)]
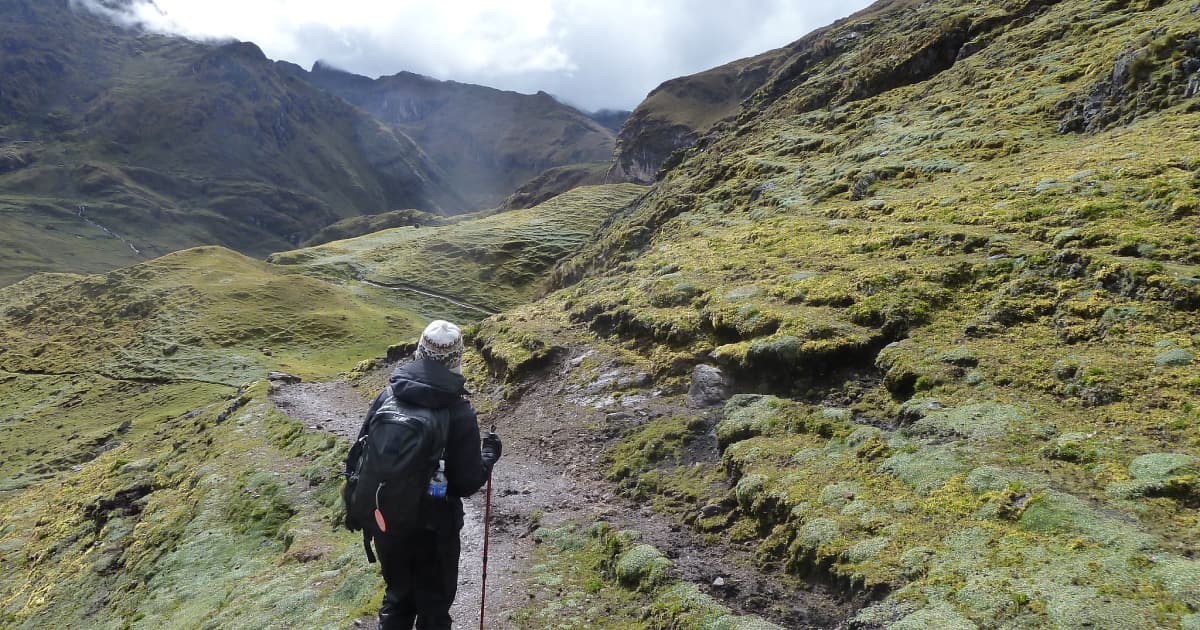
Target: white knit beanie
[(442, 342)]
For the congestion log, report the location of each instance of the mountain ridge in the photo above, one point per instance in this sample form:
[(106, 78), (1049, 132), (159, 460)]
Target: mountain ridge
[(490, 141)]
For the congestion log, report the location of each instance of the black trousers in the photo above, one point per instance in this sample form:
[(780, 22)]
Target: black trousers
[(420, 569)]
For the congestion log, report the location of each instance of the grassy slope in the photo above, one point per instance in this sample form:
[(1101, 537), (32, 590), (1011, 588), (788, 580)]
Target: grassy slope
[(142, 484), (496, 262), (556, 181), (982, 330), (367, 224)]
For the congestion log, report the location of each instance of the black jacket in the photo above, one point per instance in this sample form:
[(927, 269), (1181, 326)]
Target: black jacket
[(429, 384)]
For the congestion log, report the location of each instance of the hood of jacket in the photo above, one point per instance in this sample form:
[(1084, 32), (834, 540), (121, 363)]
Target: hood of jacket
[(427, 383)]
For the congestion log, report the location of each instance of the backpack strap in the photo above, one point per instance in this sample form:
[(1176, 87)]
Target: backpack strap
[(367, 546)]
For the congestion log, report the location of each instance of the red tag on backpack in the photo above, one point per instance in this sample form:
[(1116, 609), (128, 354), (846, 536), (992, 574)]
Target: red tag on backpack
[(380, 522)]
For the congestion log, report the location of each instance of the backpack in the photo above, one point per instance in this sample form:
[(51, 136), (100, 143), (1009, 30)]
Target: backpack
[(388, 469)]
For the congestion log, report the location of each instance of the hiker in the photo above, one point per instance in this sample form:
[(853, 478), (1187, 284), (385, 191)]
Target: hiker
[(418, 544)]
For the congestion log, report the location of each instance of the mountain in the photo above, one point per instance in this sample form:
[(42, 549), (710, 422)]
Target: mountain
[(943, 262), (488, 141), (118, 145), (681, 111), (612, 119), (557, 181), (677, 113)]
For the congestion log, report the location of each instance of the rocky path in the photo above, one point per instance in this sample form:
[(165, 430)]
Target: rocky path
[(519, 485), (550, 467)]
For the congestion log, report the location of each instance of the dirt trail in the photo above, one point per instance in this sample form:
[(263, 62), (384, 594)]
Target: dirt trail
[(552, 464), (338, 408)]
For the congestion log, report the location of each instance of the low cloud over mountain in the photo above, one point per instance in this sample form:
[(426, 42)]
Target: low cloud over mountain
[(591, 54)]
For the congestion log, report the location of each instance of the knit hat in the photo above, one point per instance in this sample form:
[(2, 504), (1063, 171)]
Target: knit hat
[(442, 342)]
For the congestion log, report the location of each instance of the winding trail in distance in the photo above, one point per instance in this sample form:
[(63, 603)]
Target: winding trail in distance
[(81, 212), (427, 293)]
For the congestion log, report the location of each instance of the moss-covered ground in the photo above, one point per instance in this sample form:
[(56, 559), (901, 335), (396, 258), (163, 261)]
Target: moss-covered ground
[(948, 261), (145, 479), (962, 312), (595, 576)]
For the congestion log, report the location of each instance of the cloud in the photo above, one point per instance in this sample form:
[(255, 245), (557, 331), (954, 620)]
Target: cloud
[(588, 52)]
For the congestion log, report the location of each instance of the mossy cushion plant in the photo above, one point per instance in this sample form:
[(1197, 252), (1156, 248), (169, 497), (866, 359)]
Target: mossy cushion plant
[(924, 223)]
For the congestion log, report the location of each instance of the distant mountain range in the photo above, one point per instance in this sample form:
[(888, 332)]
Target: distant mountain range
[(117, 145)]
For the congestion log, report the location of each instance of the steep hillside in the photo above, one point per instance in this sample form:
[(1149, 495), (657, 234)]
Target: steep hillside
[(488, 141), (494, 262), (677, 113), (681, 111), (117, 146), (946, 261)]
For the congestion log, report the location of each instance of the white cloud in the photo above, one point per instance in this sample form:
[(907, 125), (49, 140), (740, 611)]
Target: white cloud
[(593, 53)]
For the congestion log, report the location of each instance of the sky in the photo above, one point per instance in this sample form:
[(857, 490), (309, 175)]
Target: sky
[(593, 54)]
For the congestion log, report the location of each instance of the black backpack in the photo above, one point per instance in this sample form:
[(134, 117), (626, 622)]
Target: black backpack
[(388, 469)]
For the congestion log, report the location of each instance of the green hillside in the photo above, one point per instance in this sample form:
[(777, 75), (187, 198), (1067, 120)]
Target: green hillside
[(945, 255), (117, 146), (949, 261), (495, 262), (136, 430)]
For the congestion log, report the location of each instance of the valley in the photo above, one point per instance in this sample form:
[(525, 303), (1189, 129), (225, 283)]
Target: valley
[(898, 329)]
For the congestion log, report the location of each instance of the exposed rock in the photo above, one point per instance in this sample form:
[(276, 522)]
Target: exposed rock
[(708, 387), (1138, 82), (1173, 357), (283, 377)]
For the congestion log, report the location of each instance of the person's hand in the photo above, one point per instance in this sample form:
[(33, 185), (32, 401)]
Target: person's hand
[(492, 448)]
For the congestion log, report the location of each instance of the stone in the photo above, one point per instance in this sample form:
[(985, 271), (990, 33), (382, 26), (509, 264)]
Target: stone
[(719, 582), (1174, 357), (283, 377), (708, 387), (641, 379)]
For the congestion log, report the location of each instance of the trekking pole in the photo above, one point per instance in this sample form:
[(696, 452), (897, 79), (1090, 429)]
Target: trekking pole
[(487, 521)]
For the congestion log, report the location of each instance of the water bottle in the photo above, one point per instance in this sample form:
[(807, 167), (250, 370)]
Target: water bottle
[(437, 485)]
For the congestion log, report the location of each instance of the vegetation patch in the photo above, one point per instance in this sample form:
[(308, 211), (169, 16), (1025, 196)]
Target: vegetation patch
[(596, 576)]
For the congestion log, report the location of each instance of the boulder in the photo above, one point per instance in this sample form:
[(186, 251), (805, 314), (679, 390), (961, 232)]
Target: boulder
[(708, 387), (282, 377)]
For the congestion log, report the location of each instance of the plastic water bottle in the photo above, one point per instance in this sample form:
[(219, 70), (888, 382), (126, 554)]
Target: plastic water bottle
[(437, 485)]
